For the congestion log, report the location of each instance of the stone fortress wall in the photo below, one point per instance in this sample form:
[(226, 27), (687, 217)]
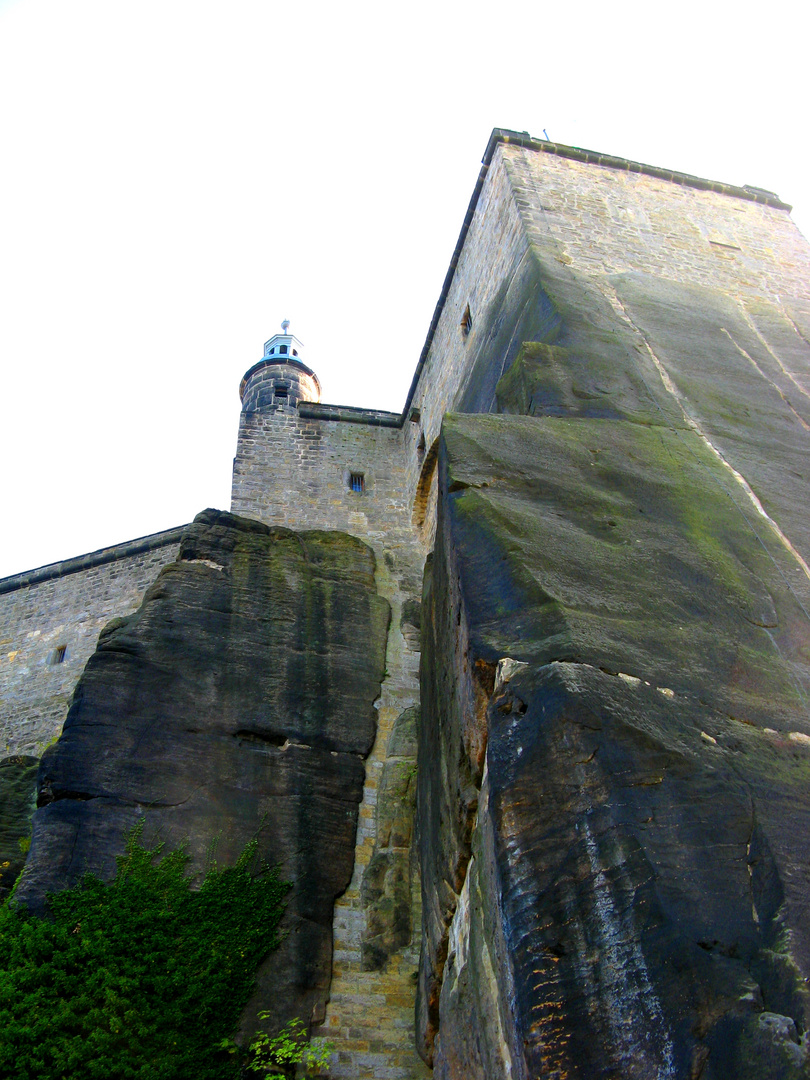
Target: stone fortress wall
[(702, 236), (307, 466), (304, 465), (603, 216), (50, 620), (294, 460), (320, 445), (608, 220)]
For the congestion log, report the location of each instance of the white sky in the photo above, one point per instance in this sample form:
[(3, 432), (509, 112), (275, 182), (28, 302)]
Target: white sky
[(177, 176)]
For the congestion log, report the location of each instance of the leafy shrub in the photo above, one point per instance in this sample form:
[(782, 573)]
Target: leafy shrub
[(287, 1051), (140, 979)]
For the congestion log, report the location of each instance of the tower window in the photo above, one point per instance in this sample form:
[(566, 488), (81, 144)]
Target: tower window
[(357, 482), (295, 352), (282, 348), (57, 655), (281, 392), (466, 321)]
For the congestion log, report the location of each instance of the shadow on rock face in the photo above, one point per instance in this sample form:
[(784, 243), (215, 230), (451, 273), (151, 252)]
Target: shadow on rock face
[(18, 786)]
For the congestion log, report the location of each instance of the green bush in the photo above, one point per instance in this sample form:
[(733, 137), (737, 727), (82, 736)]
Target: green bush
[(142, 978), (289, 1051)]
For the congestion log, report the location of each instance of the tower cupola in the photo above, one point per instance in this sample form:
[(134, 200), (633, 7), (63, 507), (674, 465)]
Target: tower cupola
[(284, 344), (280, 379)]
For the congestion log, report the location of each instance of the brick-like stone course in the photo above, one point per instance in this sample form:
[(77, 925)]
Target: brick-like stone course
[(66, 604)]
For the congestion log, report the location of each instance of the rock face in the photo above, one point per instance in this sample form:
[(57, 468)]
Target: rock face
[(18, 786), (386, 888), (237, 702), (614, 758)]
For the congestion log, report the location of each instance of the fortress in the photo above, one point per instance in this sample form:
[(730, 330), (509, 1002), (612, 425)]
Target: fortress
[(627, 349)]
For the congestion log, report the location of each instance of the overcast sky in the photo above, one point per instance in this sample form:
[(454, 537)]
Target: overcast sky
[(178, 176)]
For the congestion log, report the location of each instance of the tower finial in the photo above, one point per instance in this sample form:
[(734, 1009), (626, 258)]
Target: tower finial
[(285, 326)]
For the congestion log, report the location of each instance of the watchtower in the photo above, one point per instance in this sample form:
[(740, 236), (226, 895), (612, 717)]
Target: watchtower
[(280, 379)]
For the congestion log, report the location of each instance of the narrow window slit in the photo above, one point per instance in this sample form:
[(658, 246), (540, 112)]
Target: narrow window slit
[(57, 655)]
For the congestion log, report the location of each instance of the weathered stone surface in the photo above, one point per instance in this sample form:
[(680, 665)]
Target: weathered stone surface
[(613, 829), (18, 787), (742, 374), (238, 701), (386, 888), (556, 347)]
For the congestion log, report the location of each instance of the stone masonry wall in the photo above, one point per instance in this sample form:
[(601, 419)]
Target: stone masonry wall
[(294, 471), (609, 221), (494, 250), (370, 1018), (267, 382), (66, 604), (606, 221)]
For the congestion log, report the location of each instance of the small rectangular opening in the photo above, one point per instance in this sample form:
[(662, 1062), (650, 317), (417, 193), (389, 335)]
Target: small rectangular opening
[(57, 655), (281, 391), (466, 321), (357, 482)]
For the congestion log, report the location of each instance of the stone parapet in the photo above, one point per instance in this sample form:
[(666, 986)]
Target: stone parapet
[(115, 553), (610, 161), (350, 415)]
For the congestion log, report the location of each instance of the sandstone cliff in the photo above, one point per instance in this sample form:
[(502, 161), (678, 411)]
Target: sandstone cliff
[(613, 764), (237, 702)]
